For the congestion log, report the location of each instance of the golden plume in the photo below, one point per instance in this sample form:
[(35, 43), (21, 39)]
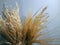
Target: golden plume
[(14, 32)]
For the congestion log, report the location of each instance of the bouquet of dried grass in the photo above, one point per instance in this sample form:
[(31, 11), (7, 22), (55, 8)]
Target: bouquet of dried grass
[(14, 32)]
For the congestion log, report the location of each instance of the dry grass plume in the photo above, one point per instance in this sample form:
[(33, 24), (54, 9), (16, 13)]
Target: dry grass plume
[(14, 32)]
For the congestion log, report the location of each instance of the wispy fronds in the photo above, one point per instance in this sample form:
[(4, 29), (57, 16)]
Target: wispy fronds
[(13, 31), (32, 27), (11, 26)]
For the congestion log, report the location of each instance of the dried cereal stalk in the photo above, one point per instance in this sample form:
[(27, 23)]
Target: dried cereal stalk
[(14, 32)]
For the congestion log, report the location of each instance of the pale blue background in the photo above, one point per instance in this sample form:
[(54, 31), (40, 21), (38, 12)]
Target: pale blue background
[(53, 11)]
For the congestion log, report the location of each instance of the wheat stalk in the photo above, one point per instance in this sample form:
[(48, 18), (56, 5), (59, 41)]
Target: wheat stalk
[(13, 31)]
